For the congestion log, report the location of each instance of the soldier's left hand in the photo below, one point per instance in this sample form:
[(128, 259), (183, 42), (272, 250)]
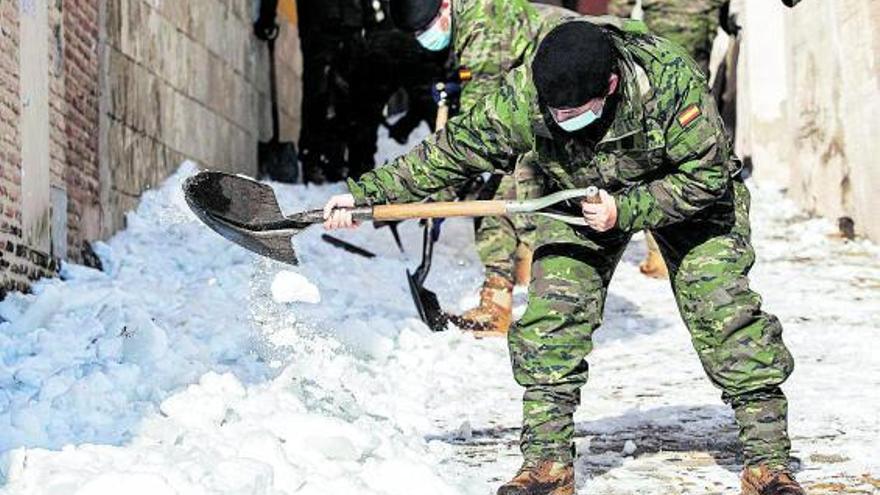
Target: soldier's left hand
[(601, 216)]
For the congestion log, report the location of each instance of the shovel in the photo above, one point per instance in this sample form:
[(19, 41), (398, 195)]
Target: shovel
[(276, 158), (427, 304), (247, 213)]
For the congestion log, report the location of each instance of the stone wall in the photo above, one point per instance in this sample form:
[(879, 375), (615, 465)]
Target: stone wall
[(185, 80), (101, 99), (834, 110), (809, 114)]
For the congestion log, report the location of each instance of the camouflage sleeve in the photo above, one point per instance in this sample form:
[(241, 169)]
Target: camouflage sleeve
[(483, 139), (697, 150), (486, 52), (485, 82)]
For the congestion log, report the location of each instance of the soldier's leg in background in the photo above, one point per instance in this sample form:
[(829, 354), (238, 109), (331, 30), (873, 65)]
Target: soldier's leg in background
[(496, 245), (496, 238), (314, 135), (739, 344), (504, 245), (692, 24), (529, 185), (549, 344)]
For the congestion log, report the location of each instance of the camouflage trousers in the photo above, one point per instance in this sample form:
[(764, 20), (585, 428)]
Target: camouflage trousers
[(497, 238), (709, 257)]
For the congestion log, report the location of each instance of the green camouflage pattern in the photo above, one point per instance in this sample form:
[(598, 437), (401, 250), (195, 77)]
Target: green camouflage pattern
[(497, 238), (674, 176), (739, 345), (491, 38), (646, 140), (690, 23)]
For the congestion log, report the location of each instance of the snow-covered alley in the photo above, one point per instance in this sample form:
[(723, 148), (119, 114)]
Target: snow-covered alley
[(189, 366)]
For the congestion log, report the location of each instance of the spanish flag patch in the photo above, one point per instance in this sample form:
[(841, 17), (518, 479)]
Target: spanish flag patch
[(689, 115)]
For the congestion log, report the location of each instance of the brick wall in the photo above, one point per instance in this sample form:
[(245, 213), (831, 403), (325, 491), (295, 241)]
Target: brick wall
[(808, 111), (82, 83)]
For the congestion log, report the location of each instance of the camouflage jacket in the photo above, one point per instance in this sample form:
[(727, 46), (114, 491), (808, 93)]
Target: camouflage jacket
[(493, 37), (665, 156), (690, 23), (660, 8)]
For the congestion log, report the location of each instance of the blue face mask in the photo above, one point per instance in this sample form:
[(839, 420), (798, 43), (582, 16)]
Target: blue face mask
[(575, 124), (434, 38)]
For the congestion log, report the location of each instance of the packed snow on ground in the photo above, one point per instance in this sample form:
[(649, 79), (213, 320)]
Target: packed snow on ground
[(189, 366)]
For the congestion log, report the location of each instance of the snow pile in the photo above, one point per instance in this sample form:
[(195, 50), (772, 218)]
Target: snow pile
[(221, 372), (84, 358), (192, 366)]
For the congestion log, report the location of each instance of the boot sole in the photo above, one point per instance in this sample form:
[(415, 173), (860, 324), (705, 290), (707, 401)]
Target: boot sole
[(562, 490)]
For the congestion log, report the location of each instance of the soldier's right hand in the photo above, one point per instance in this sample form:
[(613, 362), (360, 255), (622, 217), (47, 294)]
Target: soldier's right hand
[(337, 213)]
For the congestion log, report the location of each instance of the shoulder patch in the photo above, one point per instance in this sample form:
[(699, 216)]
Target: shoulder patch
[(688, 115)]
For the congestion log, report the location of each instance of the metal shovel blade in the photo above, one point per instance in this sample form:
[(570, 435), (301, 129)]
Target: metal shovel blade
[(239, 208), (427, 304)]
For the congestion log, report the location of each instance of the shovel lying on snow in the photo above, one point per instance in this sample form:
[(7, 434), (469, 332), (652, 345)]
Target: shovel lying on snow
[(247, 213)]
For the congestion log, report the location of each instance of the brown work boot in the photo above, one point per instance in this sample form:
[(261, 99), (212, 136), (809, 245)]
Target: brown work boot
[(543, 478), (654, 266), (761, 480), (522, 267), (495, 312)]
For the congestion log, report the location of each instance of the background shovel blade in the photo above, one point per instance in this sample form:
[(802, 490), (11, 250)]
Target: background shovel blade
[(235, 207), (427, 304)]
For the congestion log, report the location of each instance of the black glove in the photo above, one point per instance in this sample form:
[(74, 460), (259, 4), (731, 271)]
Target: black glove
[(445, 91)]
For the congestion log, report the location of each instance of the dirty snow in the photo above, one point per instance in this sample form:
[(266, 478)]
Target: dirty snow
[(191, 366)]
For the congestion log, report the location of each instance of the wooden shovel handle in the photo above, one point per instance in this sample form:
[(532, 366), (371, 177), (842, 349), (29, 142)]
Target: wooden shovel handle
[(442, 116), (439, 210)]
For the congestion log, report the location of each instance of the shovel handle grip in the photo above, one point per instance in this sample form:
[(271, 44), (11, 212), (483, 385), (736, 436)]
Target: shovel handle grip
[(442, 116), (592, 195), (359, 214), (443, 209)]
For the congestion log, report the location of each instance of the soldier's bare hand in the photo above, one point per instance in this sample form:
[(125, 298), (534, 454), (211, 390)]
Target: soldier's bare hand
[(601, 216), (336, 213)]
